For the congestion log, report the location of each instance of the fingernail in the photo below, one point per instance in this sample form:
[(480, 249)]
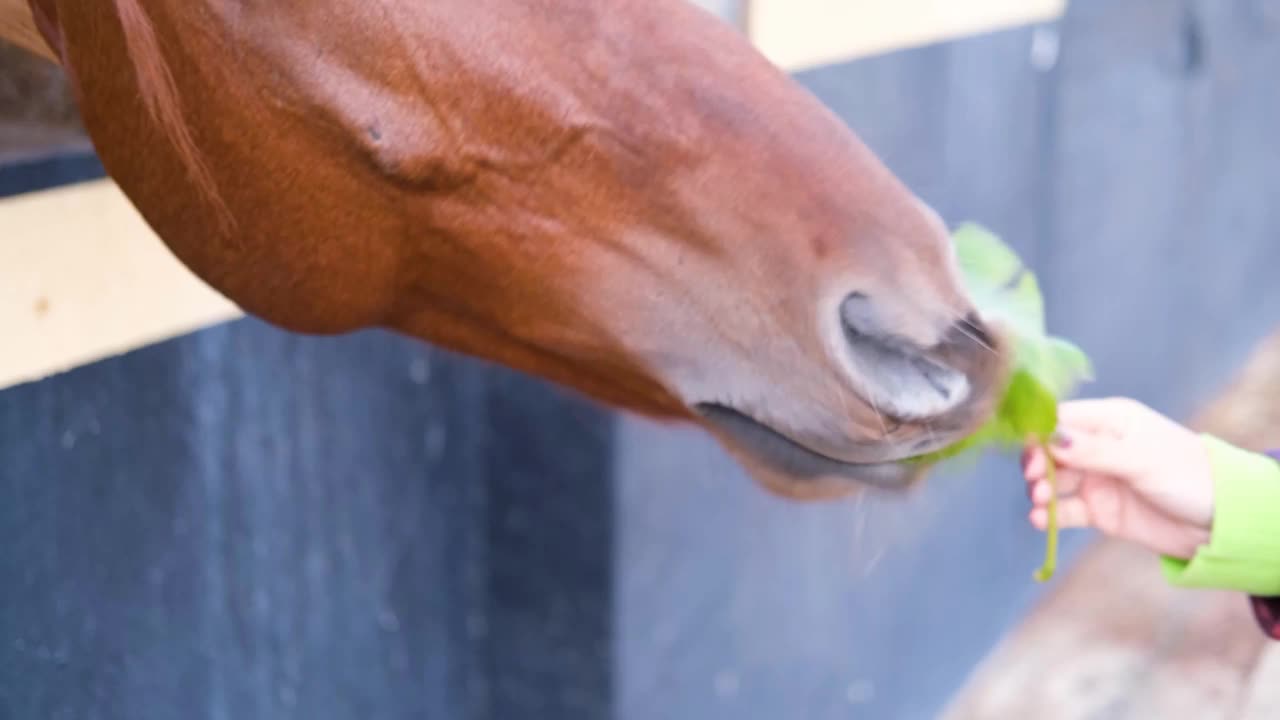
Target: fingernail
[(1060, 440)]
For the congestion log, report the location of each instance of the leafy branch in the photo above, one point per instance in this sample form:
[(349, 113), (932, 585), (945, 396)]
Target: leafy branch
[(1044, 368)]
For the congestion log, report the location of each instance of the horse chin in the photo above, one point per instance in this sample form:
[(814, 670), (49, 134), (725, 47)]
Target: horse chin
[(795, 471)]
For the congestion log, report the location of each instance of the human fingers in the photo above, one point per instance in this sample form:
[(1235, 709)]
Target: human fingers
[(1035, 469), (1035, 465), (1033, 462), (1067, 482), (1114, 415), (1094, 452), (1072, 513)]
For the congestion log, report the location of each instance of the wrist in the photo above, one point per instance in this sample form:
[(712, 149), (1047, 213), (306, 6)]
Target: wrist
[(1242, 551), (1186, 541), (1204, 466)]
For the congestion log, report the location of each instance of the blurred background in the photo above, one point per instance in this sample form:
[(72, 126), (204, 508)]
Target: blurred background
[(204, 517)]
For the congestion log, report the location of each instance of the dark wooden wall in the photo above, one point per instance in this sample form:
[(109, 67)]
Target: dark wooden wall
[(247, 524)]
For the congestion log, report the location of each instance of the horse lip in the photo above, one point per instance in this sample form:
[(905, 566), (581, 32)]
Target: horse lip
[(780, 453)]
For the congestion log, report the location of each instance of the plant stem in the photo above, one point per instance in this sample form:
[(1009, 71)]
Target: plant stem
[(1051, 530)]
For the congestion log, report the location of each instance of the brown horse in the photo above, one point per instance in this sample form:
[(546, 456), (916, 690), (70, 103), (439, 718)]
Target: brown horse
[(620, 196)]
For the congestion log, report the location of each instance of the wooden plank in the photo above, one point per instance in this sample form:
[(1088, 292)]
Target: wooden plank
[(796, 34), (82, 278), (246, 523), (802, 34)]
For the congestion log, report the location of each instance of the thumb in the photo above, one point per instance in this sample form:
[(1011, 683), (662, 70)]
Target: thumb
[(1092, 452)]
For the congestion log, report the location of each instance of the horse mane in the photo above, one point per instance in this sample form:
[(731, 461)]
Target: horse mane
[(160, 95)]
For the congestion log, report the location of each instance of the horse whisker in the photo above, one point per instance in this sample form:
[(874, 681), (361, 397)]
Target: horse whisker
[(884, 429), (966, 328), (844, 403), (929, 433)]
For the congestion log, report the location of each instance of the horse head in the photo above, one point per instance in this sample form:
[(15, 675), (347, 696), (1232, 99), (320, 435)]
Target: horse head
[(622, 196)]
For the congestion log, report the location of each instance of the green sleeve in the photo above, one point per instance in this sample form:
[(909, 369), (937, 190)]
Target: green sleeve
[(1243, 553)]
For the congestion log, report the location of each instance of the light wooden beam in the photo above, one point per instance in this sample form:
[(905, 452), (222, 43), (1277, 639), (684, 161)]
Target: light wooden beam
[(802, 34), (83, 277)]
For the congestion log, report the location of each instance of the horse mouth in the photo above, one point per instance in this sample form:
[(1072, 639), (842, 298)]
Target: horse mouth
[(780, 454)]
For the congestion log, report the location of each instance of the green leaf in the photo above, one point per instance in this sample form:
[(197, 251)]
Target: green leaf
[(984, 259), (1045, 368), (1001, 286), (1029, 409), (1065, 367)]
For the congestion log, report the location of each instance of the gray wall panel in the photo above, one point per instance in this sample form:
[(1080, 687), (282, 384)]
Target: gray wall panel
[(248, 524)]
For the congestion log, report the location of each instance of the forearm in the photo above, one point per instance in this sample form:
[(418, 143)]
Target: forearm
[(1243, 553), (1267, 609)]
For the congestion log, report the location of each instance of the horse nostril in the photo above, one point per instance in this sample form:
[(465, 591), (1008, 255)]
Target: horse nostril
[(903, 379), (859, 315)]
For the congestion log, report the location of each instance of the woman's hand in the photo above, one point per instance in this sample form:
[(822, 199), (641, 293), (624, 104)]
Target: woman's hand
[(1128, 471)]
